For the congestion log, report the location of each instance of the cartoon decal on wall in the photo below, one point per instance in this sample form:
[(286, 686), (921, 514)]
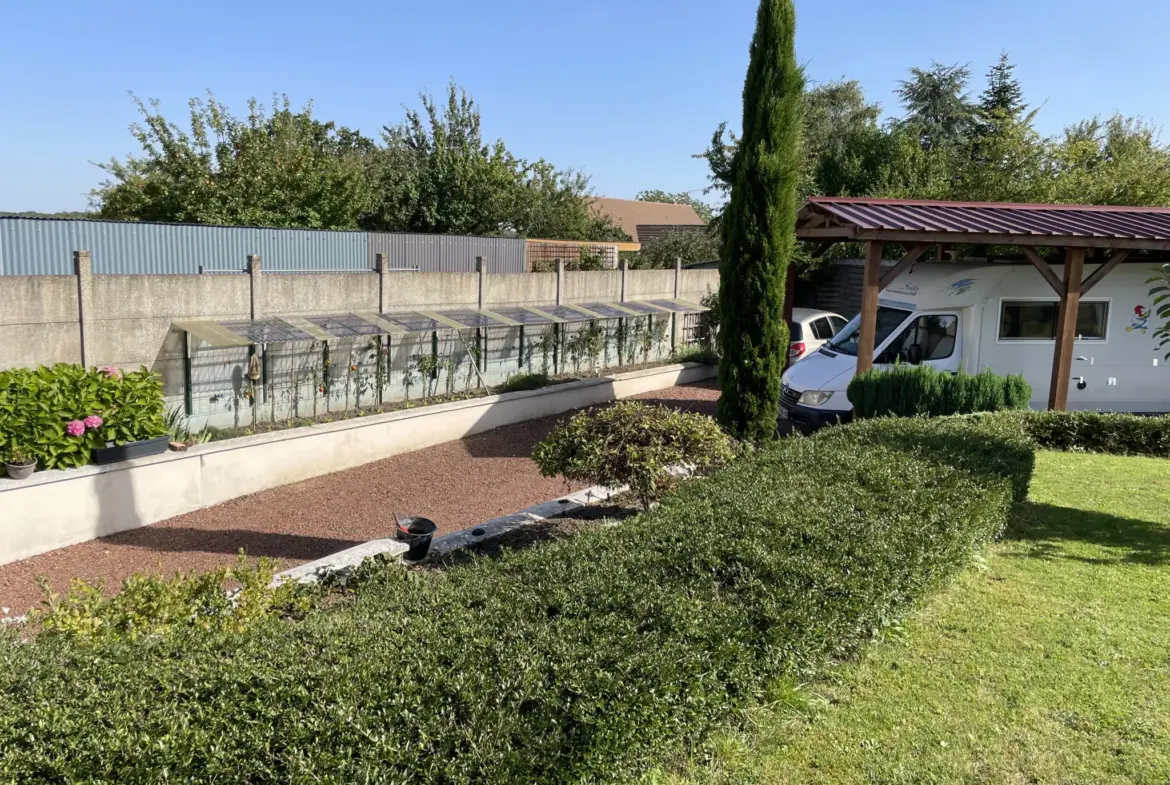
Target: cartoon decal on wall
[(1140, 320), (962, 286)]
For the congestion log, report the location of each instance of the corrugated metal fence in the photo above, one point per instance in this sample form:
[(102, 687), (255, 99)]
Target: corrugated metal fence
[(447, 253), (40, 246)]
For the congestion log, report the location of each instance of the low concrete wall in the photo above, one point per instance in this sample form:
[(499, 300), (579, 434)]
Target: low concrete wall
[(58, 508)]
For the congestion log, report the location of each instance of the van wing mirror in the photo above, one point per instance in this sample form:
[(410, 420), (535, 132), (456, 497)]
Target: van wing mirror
[(914, 354)]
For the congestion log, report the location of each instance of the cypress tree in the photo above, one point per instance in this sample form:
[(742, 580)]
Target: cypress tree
[(759, 228)]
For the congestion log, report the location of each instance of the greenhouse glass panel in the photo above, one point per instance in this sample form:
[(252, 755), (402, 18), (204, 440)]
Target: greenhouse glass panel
[(267, 331)]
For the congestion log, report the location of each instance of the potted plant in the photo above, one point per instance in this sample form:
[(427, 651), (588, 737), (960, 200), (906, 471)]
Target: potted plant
[(20, 463)]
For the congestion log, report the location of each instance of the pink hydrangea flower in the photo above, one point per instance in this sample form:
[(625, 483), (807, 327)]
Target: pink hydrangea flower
[(111, 371), (75, 428), (92, 421)]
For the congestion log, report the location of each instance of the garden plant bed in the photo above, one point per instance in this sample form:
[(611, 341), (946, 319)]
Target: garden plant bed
[(221, 434), (457, 484)]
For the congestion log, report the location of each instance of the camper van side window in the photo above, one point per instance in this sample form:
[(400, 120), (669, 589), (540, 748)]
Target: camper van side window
[(1035, 320)]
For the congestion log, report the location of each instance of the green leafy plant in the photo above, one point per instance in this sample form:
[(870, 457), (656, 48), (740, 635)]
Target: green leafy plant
[(228, 599), (61, 414), (179, 429), (909, 390), (697, 354), (586, 343), (1161, 294), (19, 456), (635, 444), (524, 381)]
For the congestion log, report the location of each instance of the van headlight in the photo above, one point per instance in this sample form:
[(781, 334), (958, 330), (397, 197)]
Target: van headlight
[(815, 397)]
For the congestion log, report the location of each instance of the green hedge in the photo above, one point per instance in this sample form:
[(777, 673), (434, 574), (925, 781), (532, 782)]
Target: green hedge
[(1119, 434), (38, 405), (583, 660), (909, 390)]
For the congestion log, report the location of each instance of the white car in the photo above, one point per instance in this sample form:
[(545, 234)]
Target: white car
[(810, 330)]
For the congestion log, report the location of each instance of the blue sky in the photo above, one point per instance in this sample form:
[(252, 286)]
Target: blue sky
[(625, 90)]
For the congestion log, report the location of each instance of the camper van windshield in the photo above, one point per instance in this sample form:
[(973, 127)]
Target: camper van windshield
[(888, 320)]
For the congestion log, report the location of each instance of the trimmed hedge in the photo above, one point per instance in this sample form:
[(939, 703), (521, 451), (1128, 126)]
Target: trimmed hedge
[(909, 390), (1119, 434), (584, 660)]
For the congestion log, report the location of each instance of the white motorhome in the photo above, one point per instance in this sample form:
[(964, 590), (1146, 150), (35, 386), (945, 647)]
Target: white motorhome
[(1002, 317)]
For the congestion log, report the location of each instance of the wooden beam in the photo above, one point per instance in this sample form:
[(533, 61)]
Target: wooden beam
[(1115, 258), (826, 233), (912, 256), (907, 236), (1041, 265), (1066, 329), (870, 288)]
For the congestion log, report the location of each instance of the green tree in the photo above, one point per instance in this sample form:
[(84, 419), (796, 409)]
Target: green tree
[(759, 228), (700, 245), (276, 167), (433, 172), (438, 175), (1116, 161), (937, 107), (1003, 96), (705, 211)]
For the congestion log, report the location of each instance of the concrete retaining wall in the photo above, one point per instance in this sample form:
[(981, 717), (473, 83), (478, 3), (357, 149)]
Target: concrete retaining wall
[(57, 508)]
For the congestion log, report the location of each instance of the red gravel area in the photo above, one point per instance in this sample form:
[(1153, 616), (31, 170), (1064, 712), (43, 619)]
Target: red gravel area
[(457, 484)]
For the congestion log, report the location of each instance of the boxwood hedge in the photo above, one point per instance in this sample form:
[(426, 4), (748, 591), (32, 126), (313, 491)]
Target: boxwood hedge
[(1119, 434), (582, 660)]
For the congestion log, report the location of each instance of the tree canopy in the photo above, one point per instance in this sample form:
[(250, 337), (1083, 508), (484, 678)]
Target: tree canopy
[(281, 167), (945, 145)]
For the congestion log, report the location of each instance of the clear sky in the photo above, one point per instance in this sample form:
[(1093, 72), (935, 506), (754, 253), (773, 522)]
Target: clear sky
[(625, 90)]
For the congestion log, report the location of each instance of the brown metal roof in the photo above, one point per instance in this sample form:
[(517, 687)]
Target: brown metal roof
[(994, 223)]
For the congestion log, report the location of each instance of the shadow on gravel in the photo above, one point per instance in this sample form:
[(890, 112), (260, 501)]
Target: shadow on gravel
[(179, 539)]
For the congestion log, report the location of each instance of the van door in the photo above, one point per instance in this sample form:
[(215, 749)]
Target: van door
[(928, 339)]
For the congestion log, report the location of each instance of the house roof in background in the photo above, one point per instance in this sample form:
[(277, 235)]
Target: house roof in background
[(993, 223), (630, 213)]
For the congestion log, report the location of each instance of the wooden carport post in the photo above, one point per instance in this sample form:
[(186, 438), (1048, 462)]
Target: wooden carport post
[(870, 288), (1066, 328)]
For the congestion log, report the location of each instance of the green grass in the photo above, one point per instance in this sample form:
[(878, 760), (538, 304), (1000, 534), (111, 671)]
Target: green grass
[(1047, 662)]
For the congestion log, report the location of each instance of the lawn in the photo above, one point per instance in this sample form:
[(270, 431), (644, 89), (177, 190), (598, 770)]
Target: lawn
[(1047, 662)]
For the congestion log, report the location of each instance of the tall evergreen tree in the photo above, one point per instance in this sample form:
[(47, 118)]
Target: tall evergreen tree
[(1003, 96), (759, 228)]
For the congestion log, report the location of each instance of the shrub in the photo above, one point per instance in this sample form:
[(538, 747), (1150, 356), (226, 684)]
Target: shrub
[(61, 414), (632, 444), (1118, 434), (524, 381), (584, 660), (909, 390), (151, 605)]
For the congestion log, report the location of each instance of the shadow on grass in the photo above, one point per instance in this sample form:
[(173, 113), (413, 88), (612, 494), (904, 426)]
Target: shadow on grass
[(1043, 526)]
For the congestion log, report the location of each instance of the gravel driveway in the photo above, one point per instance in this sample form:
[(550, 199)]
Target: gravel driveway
[(456, 484)]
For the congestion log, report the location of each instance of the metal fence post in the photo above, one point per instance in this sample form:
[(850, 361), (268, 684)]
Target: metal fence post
[(560, 279)]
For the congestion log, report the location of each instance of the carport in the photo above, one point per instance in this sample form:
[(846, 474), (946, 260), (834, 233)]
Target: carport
[(1100, 236)]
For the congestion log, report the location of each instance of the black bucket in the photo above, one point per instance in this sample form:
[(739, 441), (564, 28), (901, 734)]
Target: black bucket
[(417, 533)]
